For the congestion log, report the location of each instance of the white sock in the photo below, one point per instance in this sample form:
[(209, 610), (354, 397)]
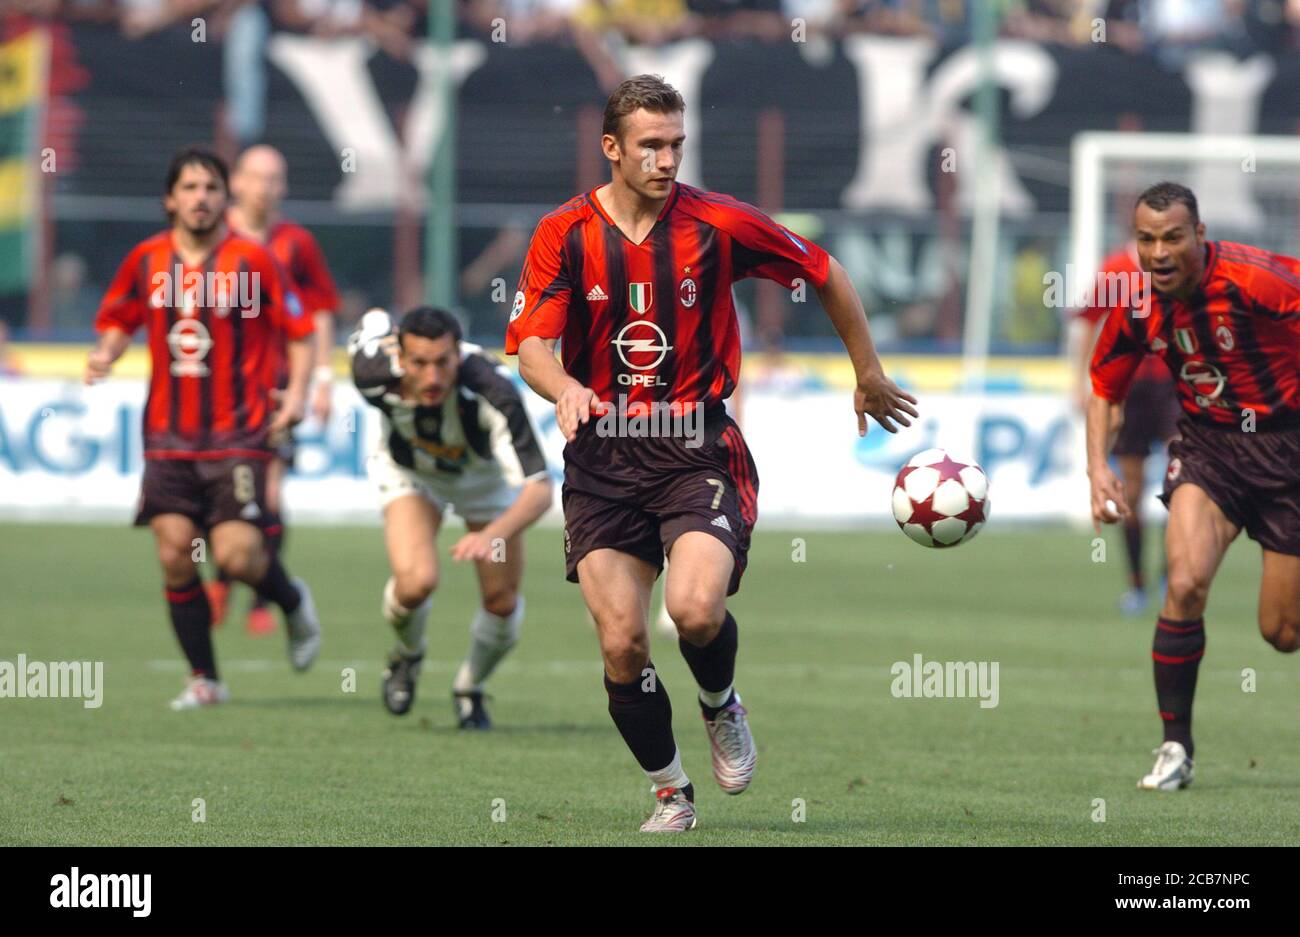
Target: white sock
[(671, 776), (490, 639), (409, 623), (714, 700)]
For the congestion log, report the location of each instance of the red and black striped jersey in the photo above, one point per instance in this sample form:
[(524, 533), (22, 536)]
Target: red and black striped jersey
[(212, 331), (302, 261), (301, 258), (654, 320), (1233, 346), (1121, 263)]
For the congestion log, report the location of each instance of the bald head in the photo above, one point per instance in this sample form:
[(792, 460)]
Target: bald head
[(259, 182)]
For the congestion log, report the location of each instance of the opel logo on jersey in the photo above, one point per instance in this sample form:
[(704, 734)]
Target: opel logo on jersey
[(687, 292), (189, 342), (639, 297), (1224, 336), (645, 345), (1206, 380)]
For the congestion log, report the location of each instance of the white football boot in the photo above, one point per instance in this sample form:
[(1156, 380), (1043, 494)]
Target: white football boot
[(734, 753), (304, 629), (199, 693), (674, 813), (1172, 771)]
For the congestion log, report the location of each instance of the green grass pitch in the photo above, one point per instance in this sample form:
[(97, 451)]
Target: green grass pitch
[(294, 759)]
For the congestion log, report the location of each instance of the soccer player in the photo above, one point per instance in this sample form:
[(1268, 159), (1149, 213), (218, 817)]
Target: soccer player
[(1225, 318), (259, 183), (455, 434), (214, 305), (1150, 414), (635, 279)]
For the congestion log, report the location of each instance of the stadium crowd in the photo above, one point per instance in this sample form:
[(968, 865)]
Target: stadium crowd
[(1165, 28)]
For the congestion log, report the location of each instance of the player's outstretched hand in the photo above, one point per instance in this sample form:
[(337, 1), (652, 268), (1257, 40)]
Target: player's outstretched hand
[(880, 397), (98, 366), (290, 414), (474, 546), (575, 407), (1107, 493)]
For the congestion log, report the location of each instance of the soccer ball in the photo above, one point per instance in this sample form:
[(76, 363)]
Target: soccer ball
[(938, 501)]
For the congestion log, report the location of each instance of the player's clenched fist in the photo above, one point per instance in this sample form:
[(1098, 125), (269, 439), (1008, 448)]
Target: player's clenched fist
[(1108, 504), (573, 408), (880, 397)]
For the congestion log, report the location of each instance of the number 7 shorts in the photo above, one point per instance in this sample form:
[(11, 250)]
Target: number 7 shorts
[(638, 495)]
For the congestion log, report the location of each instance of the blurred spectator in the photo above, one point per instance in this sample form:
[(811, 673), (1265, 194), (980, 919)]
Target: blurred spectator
[(941, 19), (391, 26), (1061, 22), (9, 365), (72, 300), (640, 22), (525, 21), (1175, 29), (741, 19)]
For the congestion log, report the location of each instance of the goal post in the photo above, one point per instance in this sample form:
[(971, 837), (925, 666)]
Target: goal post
[(1247, 187)]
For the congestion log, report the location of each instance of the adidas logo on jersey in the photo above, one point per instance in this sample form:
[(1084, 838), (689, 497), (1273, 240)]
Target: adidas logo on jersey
[(721, 521), (1158, 345), (596, 293)]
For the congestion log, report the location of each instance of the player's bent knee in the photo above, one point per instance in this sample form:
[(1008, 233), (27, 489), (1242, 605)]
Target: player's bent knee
[(174, 558), (625, 657), (240, 564), (500, 602), (698, 618), (1188, 592), (413, 587)]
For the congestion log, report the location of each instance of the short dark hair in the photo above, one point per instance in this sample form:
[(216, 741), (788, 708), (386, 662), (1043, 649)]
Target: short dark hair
[(1164, 195), (429, 322), (197, 156), (641, 91)]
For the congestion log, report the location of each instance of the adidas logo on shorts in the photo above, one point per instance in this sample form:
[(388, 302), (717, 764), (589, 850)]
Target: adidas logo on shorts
[(721, 521)]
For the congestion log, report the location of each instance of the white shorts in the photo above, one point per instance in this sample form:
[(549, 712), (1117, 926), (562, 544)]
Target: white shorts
[(478, 498)]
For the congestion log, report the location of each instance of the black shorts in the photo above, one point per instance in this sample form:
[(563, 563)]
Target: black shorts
[(284, 446), (1254, 478), (638, 496), (1151, 414), (208, 492)]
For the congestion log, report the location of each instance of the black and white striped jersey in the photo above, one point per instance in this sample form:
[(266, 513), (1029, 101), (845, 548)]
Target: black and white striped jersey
[(480, 430)]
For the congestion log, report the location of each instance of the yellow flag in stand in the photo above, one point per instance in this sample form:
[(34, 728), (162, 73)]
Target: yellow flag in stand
[(24, 68)]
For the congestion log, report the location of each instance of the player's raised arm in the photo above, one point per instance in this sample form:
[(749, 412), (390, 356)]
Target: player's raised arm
[(373, 354), (875, 394)]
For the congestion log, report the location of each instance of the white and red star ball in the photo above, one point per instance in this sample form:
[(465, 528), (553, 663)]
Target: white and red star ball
[(938, 501)]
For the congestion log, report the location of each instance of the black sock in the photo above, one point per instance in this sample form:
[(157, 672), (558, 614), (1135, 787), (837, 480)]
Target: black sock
[(1177, 652), (1133, 543), (276, 587), (192, 622), (274, 534), (644, 718), (714, 665)]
